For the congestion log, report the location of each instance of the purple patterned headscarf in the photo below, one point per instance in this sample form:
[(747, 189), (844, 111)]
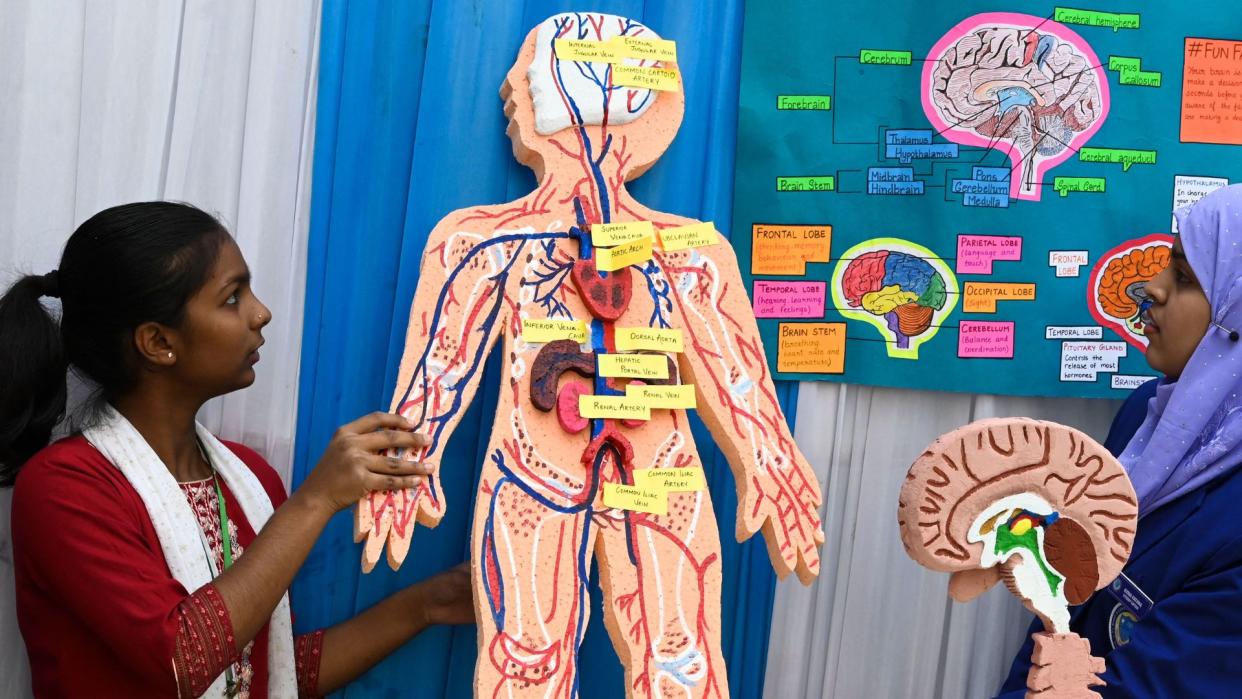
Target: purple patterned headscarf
[(1193, 430)]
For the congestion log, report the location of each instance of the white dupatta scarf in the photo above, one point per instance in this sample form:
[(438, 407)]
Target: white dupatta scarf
[(181, 538)]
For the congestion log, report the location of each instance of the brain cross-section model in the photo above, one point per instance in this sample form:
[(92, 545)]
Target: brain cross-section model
[(1118, 285), (1021, 84), (898, 287), (1041, 506)]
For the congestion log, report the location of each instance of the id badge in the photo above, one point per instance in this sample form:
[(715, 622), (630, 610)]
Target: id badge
[(1131, 596)]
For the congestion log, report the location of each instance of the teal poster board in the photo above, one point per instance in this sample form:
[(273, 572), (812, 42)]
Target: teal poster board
[(969, 196)]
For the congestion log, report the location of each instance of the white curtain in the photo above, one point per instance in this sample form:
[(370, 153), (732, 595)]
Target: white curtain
[(875, 624), (203, 101)]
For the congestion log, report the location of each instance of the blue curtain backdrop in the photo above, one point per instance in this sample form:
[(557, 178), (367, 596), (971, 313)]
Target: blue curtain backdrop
[(409, 127)]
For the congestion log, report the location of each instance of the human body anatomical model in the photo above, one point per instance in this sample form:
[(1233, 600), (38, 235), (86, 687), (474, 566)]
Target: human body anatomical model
[(1022, 84), (540, 516), (1036, 504)]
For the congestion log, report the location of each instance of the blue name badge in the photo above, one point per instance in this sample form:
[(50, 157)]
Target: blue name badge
[(1130, 596)]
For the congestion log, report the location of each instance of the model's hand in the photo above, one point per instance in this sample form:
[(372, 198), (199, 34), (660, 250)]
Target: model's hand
[(362, 457), (447, 598), (784, 503)]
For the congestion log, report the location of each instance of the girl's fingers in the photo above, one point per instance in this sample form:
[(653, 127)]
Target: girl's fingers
[(376, 421), (390, 439), (377, 482)]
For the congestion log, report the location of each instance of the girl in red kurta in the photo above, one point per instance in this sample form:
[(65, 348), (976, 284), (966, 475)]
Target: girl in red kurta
[(158, 312)]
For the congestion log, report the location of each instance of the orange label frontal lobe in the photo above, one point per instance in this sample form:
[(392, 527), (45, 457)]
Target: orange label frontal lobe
[(778, 248)]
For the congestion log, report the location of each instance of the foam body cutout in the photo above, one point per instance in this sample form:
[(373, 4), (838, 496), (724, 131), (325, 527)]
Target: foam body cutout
[(1040, 506), (539, 517)]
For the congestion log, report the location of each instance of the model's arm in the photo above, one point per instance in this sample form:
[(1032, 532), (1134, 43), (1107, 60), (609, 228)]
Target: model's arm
[(777, 489)]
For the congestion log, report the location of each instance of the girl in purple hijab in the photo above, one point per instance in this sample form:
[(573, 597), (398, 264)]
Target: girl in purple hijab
[(1193, 428), (1171, 625)]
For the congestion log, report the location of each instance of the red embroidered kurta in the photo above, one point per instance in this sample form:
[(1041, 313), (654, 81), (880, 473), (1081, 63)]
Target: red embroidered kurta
[(97, 606)]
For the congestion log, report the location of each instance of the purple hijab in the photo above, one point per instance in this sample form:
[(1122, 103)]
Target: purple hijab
[(1193, 430)]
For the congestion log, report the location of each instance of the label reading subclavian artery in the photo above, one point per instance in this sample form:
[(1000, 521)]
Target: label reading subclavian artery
[(633, 366), (539, 330), (658, 339), (695, 235)]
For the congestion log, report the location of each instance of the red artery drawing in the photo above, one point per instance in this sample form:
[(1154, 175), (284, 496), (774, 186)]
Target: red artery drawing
[(540, 518)]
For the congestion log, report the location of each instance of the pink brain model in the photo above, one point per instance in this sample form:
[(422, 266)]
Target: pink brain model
[(1019, 83), (1036, 504)]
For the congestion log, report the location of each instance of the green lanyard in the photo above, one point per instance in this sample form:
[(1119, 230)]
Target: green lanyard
[(225, 540)]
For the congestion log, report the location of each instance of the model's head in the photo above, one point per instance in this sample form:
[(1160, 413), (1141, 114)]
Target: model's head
[(562, 110)]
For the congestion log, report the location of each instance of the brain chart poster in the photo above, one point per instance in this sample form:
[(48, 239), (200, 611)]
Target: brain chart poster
[(970, 196)]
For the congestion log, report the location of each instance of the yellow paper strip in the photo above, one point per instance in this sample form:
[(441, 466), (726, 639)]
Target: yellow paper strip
[(621, 233), (587, 50), (671, 480), (628, 497), (695, 235), (612, 408), (661, 79), (612, 259), (647, 49), (633, 366), (663, 397), (658, 339), (548, 330)]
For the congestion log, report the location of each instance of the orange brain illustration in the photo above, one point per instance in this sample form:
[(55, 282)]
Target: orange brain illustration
[(1121, 284)]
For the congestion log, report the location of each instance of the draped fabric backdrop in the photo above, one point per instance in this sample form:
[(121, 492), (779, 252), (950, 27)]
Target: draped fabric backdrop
[(104, 103), (410, 127)]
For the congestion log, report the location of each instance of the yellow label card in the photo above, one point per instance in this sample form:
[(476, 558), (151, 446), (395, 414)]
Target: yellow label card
[(548, 330), (621, 233), (612, 259), (647, 49), (587, 50), (695, 235), (663, 397), (633, 366), (628, 497), (671, 480), (658, 339), (612, 408), (661, 79)]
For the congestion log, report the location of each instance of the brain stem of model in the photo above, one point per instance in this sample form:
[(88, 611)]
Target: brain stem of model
[(584, 461), (1038, 505), (1019, 84)]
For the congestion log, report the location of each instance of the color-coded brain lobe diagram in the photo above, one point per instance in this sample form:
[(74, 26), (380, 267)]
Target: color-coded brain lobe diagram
[(899, 287), (1118, 284), (1024, 85)]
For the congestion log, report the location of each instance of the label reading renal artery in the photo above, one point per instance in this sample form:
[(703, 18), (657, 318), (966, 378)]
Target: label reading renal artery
[(695, 235), (613, 259), (633, 366), (671, 480), (660, 79), (621, 233), (658, 339), (548, 330), (635, 499), (663, 397), (611, 408)]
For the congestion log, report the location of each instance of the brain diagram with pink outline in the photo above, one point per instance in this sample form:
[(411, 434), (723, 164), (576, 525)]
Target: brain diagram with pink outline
[(1024, 85)]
